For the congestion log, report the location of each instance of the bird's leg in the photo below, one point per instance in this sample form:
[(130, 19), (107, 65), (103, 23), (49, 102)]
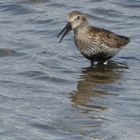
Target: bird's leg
[(91, 63), (105, 63), (102, 62)]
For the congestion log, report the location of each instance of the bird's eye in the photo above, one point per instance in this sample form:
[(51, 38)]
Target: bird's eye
[(78, 17)]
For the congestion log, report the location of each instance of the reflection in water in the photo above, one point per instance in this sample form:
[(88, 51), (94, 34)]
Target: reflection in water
[(91, 80)]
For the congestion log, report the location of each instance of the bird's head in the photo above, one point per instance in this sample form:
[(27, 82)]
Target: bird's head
[(76, 19)]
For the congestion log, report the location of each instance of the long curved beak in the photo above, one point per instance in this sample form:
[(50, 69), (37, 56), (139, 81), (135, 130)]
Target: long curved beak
[(65, 30)]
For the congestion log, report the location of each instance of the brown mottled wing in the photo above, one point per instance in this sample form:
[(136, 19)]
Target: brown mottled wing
[(108, 38)]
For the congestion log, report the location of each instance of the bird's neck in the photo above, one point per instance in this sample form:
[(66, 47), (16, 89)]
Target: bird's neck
[(81, 30)]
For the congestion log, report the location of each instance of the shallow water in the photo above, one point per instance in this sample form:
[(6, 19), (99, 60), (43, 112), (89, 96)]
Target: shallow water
[(47, 89)]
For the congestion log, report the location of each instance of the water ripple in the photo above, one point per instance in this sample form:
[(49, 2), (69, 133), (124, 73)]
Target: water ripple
[(48, 90)]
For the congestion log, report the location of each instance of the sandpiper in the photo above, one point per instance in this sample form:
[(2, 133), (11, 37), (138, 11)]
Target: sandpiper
[(96, 44)]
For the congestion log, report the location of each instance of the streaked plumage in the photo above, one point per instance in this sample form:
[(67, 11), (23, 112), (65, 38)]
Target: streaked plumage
[(94, 43)]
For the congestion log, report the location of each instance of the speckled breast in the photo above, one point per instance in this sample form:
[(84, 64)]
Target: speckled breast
[(94, 50)]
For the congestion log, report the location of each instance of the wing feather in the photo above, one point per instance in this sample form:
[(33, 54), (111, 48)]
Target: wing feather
[(108, 38)]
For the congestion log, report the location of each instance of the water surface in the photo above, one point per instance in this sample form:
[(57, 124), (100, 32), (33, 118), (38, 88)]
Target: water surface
[(47, 89)]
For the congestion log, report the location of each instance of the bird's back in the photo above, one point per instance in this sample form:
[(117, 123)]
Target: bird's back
[(107, 37), (98, 44)]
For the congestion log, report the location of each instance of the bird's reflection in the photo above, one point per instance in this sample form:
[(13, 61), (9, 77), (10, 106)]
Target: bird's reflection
[(90, 82)]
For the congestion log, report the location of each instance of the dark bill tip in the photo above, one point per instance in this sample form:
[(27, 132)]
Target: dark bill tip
[(64, 31)]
